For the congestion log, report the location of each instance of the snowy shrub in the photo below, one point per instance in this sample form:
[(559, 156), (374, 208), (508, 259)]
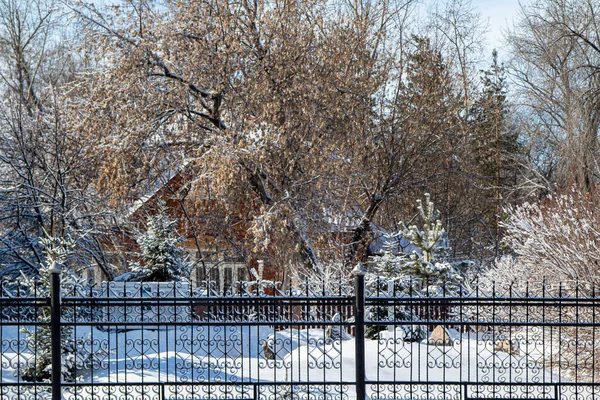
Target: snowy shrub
[(556, 252), (162, 260), (326, 279), (564, 348), (558, 241)]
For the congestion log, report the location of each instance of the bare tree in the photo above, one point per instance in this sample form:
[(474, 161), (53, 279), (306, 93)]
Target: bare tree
[(555, 69), (41, 190), (458, 30)]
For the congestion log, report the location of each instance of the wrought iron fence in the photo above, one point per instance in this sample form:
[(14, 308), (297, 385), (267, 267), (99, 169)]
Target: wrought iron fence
[(317, 342)]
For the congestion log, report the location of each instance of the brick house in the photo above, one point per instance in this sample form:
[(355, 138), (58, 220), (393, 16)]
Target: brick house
[(216, 257)]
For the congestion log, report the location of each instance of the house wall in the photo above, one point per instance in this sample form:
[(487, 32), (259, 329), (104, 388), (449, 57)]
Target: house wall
[(215, 256)]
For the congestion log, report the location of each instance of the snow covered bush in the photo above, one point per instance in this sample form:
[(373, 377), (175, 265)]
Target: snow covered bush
[(39, 368), (558, 240), (326, 279), (555, 253), (566, 348), (162, 260)]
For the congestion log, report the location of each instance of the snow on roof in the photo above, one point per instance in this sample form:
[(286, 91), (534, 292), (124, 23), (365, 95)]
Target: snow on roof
[(165, 178)]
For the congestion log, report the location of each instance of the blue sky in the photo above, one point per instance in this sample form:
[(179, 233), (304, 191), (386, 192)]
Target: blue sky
[(500, 14)]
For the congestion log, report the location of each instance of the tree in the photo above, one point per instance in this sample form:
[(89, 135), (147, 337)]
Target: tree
[(162, 260), (57, 251), (555, 69), (426, 270), (295, 116), (42, 164), (427, 267), (495, 151), (411, 148), (458, 31)]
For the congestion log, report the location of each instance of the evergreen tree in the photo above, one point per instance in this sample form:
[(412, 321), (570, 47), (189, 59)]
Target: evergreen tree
[(494, 146), (428, 265), (426, 270), (57, 251), (162, 260)]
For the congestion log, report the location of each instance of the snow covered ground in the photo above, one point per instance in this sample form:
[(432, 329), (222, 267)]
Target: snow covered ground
[(193, 356)]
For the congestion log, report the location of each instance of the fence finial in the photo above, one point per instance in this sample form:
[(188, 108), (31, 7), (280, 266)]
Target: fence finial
[(55, 268), (359, 269)]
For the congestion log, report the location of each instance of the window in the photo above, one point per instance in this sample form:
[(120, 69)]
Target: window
[(227, 276), (224, 275)]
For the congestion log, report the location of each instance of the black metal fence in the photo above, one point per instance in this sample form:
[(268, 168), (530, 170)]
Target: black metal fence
[(170, 341)]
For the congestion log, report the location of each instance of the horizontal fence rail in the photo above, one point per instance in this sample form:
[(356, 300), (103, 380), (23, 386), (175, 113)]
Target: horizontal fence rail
[(355, 340)]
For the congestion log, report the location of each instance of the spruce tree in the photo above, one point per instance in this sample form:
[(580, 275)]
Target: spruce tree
[(57, 251), (425, 271), (162, 259)]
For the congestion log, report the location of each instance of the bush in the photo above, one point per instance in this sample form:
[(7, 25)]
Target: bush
[(558, 241)]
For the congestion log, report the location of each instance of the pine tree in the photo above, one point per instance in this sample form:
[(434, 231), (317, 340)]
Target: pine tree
[(426, 271), (57, 251), (427, 267), (162, 260), (494, 145)]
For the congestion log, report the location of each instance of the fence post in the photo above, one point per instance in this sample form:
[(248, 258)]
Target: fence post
[(55, 331), (359, 325)]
